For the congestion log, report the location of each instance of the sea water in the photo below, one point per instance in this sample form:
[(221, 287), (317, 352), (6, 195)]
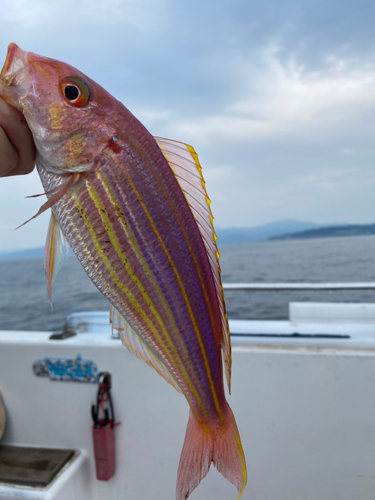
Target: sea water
[(24, 303)]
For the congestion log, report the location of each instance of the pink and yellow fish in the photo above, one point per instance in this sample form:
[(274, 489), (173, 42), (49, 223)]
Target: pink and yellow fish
[(135, 211)]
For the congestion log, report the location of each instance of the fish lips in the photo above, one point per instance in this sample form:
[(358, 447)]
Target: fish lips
[(15, 80)]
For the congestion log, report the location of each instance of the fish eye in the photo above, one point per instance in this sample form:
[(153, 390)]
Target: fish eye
[(75, 91), (71, 92)]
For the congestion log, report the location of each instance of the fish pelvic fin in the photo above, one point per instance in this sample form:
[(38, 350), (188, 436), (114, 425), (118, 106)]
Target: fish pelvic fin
[(204, 445), (56, 250)]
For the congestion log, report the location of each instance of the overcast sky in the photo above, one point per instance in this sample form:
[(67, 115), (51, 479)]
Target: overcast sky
[(277, 97)]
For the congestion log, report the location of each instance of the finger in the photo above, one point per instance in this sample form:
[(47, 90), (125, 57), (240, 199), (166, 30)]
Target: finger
[(8, 155), (14, 125)]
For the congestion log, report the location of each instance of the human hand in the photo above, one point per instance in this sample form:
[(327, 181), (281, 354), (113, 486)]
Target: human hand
[(17, 150)]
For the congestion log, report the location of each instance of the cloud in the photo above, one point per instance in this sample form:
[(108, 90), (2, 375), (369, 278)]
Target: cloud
[(285, 99), (277, 98), (335, 195)]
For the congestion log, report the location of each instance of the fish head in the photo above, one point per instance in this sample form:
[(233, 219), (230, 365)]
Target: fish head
[(66, 111)]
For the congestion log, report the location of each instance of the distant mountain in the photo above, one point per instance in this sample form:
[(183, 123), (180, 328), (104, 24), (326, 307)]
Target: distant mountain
[(263, 233), (32, 253), (330, 231)]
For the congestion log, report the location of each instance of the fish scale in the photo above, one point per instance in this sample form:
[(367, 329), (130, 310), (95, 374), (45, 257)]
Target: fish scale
[(83, 195)]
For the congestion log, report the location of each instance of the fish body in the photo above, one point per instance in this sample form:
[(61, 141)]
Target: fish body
[(135, 211)]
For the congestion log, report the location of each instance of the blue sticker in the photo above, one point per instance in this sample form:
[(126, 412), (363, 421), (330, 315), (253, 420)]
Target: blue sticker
[(72, 370)]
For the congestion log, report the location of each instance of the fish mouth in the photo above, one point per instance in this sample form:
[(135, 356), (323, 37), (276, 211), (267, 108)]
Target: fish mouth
[(13, 56), (14, 77)]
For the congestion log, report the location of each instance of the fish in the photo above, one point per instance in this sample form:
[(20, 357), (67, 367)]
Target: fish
[(135, 211)]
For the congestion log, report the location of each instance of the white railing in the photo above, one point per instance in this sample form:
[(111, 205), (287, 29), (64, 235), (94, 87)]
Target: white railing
[(266, 287)]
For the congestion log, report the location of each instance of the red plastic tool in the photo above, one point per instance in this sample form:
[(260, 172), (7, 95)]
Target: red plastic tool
[(103, 430)]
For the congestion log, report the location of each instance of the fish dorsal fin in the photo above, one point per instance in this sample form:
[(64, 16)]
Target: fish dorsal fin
[(56, 251), (134, 344), (184, 163)]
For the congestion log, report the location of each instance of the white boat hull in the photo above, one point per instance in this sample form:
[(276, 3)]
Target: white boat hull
[(305, 414)]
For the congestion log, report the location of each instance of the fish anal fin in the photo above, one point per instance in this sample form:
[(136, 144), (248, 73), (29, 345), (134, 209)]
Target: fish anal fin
[(131, 340), (185, 165)]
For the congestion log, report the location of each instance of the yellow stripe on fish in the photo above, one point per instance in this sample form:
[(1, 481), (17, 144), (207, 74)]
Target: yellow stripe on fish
[(137, 250), (132, 275), (181, 286)]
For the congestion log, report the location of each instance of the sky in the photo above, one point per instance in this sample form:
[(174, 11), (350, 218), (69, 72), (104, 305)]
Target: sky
[(277, 97)]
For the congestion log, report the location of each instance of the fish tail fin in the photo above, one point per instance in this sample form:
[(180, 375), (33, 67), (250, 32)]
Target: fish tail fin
[(203, 445)]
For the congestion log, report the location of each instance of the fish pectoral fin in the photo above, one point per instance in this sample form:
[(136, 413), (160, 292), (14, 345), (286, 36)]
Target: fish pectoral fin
[(185, 165), (131, 340), (43, 194), (56, 251), (58, 193)]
